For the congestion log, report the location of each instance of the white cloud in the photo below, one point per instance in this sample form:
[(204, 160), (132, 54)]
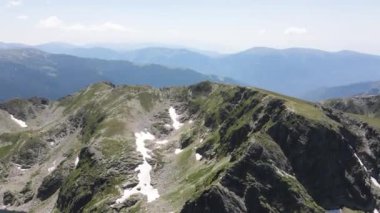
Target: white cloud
[(53, 22), (295, 31), (14, 3), (23, 17)]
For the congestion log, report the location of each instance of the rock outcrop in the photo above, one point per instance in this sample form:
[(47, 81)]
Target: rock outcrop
[(54, 181)]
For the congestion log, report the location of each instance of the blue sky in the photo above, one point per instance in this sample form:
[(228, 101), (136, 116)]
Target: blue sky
[(220, 25)]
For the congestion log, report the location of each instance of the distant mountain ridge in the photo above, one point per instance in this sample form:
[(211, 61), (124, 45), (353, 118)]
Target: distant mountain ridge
[(293, 71), (12, 45), (359, 89), (30, 72)]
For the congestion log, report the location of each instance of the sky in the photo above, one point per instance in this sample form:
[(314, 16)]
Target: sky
[(217, 25)]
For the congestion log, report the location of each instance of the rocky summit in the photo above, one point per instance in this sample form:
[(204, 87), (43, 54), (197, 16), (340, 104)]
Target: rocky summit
[(202, 148)]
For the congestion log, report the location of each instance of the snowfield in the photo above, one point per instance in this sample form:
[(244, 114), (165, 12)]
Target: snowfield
[(198, 157), (162, 142), (76, 161), (144, 186), (51, 169), (177, 151), (21, 123), (174, 116), (375, 183)]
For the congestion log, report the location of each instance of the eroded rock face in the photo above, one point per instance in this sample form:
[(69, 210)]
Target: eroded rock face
[(215, 199), (53, 181), (186, 140), (81, 185), (316, 160), (324, 163), (9, 198), (18, 198), (25, 109), (26, 194), (363, 105), (363, 138), (34, 151), (254, 184)]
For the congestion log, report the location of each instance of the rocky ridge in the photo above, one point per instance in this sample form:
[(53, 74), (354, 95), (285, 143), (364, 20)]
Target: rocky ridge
[(231, 149)]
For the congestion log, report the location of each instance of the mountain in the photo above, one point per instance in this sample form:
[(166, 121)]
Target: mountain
[(175, 58), (358, 89), (366, 108), (170, 57), (30, 72), (12, 45), (86, 52), (201, 148), (294, 71)]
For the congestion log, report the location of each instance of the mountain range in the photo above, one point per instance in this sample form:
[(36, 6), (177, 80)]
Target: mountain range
[(31, 72), (202, 148), (295, 71), (303, 73), (358, 89)]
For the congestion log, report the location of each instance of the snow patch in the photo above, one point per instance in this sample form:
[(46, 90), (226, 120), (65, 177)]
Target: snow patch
[(177, 151), (191, 121), (201, 141), (21, 123), (162, 142), (141, 137), (374, 182), (360, 162), (198, 157), (76, 161), (283, 173), (19, 167), (174, 116), (144, 186), (50, 169)]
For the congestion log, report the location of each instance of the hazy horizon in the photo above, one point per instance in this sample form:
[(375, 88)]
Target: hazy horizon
[(221, 26), (137, 46)]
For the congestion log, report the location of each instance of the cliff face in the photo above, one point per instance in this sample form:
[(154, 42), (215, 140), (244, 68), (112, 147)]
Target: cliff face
[(204, 148), (303, 144)]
